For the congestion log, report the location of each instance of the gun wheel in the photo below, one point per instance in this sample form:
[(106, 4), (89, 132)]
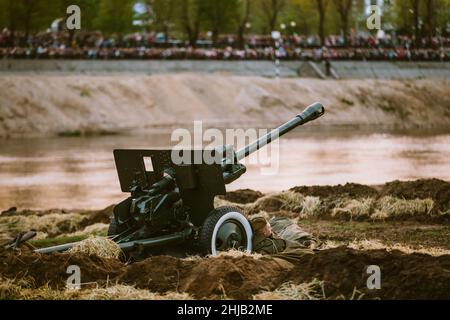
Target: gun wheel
[(226, 228)]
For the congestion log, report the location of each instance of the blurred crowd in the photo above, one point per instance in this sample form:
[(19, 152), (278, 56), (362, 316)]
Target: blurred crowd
[(93, 45)]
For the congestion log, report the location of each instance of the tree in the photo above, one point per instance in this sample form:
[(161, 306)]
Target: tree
[(322, 9), (29, 11), (220, 16), (442, 8), (189, 18), (9, 11), (305, 14), (25, 16), (89, 10), (271, 10), (415, 13), (429, 18), (149, 14), (164, 14), (402, 17), (244, 20), (344, 7), (115, 16)]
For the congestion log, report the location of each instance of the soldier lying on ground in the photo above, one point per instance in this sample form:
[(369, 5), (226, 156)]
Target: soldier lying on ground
[(280, 235)]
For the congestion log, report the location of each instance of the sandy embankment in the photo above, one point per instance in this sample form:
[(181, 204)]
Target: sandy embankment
[(47, 105)]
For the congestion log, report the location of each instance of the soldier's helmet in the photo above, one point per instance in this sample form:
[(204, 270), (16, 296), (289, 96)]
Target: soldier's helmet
[(258, 223)]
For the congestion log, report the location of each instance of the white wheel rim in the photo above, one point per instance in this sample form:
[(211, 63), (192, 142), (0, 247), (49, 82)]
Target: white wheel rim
[(242, 220)]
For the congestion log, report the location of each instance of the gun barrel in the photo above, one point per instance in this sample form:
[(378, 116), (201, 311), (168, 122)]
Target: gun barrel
[(311, 113)]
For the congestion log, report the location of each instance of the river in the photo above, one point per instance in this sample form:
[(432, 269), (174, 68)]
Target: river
[(79, 172)]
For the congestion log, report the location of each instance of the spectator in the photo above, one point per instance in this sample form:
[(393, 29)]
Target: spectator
[(93, 45)]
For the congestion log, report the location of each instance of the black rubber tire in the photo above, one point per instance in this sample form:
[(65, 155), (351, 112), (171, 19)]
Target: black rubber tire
[(207, 230), (113, 227)]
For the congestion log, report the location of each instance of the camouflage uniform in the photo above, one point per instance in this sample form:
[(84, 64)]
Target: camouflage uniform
[(287, 237), (268, 245)]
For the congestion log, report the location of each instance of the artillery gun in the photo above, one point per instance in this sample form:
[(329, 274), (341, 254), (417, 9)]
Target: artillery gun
[(171, 204)]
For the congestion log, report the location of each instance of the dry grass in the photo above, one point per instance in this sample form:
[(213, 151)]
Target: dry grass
[(373, 244), (124, 292), (95, 229), (262, 214), (296, 205), (222, 202), (313, 290), (311, 207), (20, 290), (383, 209), (9, 290), (389, 206), (291, 201), (305, 207), (43, 293), (51, 224), (236, 254), (99, 246), (353, 208), (193, 258)]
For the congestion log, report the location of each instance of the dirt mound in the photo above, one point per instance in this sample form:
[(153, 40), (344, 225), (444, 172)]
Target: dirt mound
[(425, 200), (435, 189), (267, 204), (403, 276), (352, 190), (51, 268), (242, 196), (51, 105), (53, 222), (92, 216), (343, 271), (159, 273), (237, 278), (98, 216), (11, 212)]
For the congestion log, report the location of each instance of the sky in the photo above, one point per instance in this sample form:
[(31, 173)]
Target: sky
[(139, 8)]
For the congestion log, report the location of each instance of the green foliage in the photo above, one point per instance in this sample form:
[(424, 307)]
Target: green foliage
[(220, 16), (26, 15), (304, 13), (37, 15), (270, 11), (89, 11), (188, 18), (433, 16), (48, 242), (3, 13), (115, 16), (164, 12)]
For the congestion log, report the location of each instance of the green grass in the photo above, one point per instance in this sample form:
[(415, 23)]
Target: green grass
[(74, 133), (48, 242), (306, 221), (85, 93), (347, 102)]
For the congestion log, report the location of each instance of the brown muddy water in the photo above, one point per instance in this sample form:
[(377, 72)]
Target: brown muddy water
[(79, 172)]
